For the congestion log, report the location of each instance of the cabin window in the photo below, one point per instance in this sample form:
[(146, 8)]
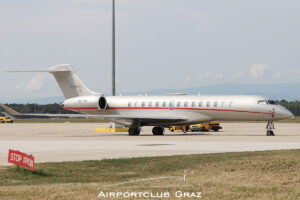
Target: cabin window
[(200, 104), (150, 103), (208, 104), (178, 104), (129, 104), (263, 102), (164, 104), (223, 104), (171, 104), (143, 104), (193, 104), (185, 104), (215, 104), (157, 104)]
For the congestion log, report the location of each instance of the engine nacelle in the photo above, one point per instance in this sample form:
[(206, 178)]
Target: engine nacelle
[(102, 103), (86, 102)]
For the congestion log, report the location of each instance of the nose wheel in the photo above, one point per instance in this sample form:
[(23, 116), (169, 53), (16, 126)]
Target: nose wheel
[(270, 127)]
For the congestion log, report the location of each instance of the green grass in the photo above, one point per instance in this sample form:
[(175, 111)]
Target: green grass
[(246, 175)]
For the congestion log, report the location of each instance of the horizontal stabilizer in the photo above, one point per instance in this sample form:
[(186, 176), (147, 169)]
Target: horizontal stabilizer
[(49, 71), (9, 110), (67, 79), (53, 69)]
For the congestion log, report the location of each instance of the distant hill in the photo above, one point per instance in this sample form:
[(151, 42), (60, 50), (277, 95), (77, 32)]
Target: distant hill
[(288, 91)]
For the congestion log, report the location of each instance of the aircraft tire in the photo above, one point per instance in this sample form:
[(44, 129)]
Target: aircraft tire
[(134, 131), (270, 133), (137, 131), (158, 130), (131, 132)]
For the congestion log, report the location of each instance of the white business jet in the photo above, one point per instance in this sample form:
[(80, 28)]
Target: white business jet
[(161, 111)]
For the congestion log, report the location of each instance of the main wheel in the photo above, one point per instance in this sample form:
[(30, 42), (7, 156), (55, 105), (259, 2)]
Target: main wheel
[(158, 130), (134, 131), (131, 131), (137, 131)]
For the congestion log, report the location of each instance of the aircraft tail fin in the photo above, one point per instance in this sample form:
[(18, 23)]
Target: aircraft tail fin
[(68, 81)]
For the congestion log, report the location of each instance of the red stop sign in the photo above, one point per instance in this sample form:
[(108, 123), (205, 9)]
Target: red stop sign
[(21, 159)]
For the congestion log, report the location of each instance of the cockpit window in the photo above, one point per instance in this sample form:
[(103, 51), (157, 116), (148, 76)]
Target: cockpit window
[(272, 102), (263, 102)]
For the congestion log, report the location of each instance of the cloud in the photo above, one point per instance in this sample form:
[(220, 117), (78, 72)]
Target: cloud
[(199, 77), (188, 78), (238, 74), (277, 75), (19, 86), (257, 70), (217, 76), (209, 75), (297, 71), (35, 84)]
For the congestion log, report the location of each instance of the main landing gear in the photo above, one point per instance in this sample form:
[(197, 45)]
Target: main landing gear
[(157, 130), (270, 127), (134, 131)]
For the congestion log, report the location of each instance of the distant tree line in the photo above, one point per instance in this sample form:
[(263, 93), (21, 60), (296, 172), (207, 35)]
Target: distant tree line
[(293, 106), (36, 108)]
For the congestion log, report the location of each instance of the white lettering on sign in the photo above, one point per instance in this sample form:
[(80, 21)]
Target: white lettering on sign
[(15, 157), (27, 161)]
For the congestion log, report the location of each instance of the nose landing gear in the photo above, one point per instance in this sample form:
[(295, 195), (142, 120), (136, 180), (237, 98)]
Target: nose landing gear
[(270, 127)]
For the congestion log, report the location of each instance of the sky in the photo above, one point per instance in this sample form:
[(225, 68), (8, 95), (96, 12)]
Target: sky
[(169, 44)]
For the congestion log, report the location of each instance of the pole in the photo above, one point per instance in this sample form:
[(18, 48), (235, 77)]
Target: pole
[(113, 89)]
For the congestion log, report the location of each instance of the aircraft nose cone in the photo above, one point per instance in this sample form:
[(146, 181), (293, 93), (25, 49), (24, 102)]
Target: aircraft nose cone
[(291, 115), (287, 114)]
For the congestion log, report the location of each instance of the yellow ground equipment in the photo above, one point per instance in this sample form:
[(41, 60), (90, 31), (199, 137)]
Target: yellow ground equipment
[(213, 125), (6, 120), (178, 128), (113, 127), (111, 130)]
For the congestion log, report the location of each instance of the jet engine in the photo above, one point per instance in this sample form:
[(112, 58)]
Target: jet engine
[(86, 102), (102, 103)]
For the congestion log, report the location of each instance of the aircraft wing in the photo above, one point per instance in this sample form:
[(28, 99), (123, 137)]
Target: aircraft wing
[(121, 119)]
